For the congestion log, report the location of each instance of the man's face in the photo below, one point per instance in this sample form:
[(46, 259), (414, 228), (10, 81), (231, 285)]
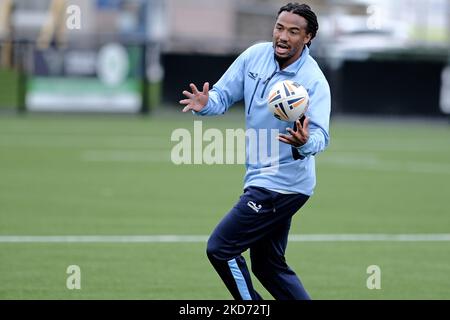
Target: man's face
[(289, 37)]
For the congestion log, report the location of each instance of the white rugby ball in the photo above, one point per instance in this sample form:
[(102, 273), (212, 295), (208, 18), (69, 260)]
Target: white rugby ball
[(288, 101)]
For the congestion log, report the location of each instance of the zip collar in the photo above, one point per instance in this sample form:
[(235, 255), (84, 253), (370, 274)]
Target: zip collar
[(294, 68)]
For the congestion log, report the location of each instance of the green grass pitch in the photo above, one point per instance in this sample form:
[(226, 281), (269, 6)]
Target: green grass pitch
[(80, 175)]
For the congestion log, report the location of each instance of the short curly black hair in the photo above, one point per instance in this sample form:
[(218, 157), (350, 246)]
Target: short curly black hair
[(304, 11)]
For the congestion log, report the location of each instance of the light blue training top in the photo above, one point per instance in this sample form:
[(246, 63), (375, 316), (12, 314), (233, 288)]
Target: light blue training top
[(270, 163)]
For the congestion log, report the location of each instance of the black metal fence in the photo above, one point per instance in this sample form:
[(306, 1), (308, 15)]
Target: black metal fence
[(370, 87), (376, 86)]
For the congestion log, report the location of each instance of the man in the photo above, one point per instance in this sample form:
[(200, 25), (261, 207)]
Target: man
[(261, 219)]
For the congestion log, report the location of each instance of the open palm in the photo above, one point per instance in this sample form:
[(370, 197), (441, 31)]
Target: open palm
[(196, 100)]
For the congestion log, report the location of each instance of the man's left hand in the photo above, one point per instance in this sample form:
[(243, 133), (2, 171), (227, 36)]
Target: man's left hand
[(296, 138)]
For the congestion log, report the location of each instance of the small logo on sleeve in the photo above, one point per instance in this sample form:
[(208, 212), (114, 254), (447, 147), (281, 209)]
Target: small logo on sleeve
[(253, 75)]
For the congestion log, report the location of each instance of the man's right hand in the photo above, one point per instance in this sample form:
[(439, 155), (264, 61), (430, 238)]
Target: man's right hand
[(196, 100)]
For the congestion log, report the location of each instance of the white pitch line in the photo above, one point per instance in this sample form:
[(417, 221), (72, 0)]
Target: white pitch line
[(126, 156), (103, 239), (371, 162), (204, 238), (370, 237)]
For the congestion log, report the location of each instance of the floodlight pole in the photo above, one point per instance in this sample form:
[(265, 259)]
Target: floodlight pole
[(145, 83), (21, 77)]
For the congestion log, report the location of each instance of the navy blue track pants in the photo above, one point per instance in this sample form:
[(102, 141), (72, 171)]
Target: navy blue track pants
[(260, 221)]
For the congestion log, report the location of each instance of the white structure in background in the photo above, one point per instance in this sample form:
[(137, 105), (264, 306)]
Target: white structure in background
[(427, 22), (383, 26), (157, 32), (200, 25), (445, 91)]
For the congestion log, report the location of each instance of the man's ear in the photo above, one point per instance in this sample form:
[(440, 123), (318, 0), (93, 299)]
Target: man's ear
[(307, 39)]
